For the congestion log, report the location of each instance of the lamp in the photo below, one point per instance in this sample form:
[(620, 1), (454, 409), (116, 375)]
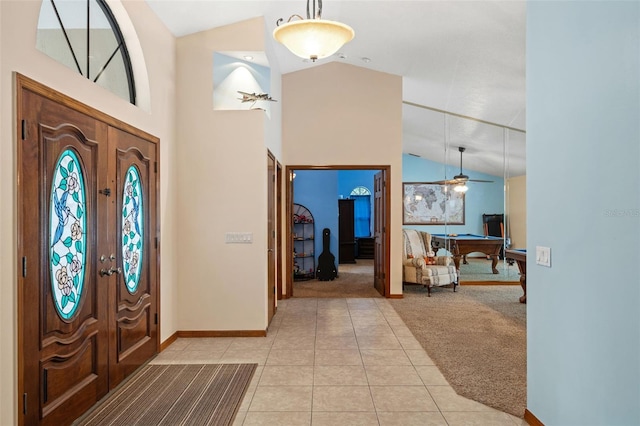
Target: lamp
[(312, 38), (461, 187)]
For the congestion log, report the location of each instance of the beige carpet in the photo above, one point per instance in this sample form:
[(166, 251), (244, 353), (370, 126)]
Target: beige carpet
[(479, 270), (194, 394), (476, 337), (354, 280)]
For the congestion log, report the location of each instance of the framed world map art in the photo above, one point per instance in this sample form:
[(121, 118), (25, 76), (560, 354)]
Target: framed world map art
[(431, 204)]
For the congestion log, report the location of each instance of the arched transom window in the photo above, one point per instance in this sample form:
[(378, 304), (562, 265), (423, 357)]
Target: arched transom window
[(84, 36), (360, 190)]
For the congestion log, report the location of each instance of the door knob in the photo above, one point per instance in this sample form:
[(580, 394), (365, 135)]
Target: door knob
[(110, 271), (107, 272)]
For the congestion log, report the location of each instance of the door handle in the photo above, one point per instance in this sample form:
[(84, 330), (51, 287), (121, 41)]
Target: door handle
[(107, 272), (110, 271)]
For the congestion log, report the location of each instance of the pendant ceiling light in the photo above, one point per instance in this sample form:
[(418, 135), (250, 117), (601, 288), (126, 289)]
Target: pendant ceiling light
[(312, 38)]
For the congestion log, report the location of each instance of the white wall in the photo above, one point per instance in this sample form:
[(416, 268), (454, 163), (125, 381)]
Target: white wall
[(159, 54), (583, 201), (338, 114), (18, 22), (223, 188), (273, 125)]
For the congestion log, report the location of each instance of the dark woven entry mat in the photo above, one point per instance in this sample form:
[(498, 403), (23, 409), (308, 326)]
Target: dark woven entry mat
[(189, 394)]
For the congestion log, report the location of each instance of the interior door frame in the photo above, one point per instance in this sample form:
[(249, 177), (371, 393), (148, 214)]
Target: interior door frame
[(279, 262), (289, 226), (26, 84), (272, 231)]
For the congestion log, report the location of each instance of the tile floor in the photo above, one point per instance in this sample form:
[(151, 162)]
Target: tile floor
[(338, 362)]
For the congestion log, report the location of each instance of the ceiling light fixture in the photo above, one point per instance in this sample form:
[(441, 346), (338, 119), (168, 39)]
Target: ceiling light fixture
[(461, 188), (248, 57), (312, 38)]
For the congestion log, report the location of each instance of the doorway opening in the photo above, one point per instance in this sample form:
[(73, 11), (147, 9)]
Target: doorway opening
[(322, 200)]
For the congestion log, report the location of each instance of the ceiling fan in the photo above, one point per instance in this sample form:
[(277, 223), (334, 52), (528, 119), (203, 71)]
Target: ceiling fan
[(459, 181)]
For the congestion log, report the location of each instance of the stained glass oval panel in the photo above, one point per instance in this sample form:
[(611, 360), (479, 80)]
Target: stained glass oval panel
[(132, 229), (67, 234)]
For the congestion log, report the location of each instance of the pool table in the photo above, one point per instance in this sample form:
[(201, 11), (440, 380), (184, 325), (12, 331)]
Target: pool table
[(460, 245), (520, 256)]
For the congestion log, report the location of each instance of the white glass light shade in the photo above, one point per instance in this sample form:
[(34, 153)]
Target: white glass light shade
[(313, 38), (461, 188)]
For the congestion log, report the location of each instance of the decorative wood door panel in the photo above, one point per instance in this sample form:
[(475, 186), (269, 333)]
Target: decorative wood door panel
[(65, 313), (87, 227), (133, 302)]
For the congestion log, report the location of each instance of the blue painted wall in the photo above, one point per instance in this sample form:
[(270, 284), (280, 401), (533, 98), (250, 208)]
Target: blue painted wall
[(583, 193), (225, 65), (348, 180), (480, 198), (317, 190)]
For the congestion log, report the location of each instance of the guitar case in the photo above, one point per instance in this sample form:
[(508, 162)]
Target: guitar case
[(326, 270)]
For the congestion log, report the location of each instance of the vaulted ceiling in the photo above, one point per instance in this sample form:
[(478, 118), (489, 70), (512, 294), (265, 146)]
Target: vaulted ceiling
[(463, 57)]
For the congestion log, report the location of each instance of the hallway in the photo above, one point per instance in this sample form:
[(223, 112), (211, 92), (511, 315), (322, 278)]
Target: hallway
[(338, 361)]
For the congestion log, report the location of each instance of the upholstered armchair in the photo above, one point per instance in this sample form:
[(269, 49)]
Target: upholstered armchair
[(415, 268)]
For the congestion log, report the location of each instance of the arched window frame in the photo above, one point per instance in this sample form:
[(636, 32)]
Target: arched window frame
[(121, 46), (360, 190)]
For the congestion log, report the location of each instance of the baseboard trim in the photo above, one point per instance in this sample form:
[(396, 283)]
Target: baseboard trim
[(531, 419), (395, 296), (222, 333), (489, 283), (164, 345)]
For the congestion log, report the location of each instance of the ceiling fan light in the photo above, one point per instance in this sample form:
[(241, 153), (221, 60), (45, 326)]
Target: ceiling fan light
[(461, 188), (313, 38)]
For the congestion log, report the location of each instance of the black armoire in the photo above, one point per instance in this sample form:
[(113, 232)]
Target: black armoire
[(346, 232)]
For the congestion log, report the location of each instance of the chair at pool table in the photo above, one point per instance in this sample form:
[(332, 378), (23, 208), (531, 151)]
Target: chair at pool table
[(416, 247), (494, 226)]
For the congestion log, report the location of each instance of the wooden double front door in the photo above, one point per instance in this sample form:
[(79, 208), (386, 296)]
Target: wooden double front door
[(87, 244)]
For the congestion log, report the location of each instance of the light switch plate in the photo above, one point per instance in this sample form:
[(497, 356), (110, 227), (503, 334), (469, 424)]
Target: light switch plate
[(238, 238), (543, 256)]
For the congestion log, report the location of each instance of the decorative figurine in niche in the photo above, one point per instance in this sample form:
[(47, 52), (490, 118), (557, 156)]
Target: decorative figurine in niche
[(255, 97)]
